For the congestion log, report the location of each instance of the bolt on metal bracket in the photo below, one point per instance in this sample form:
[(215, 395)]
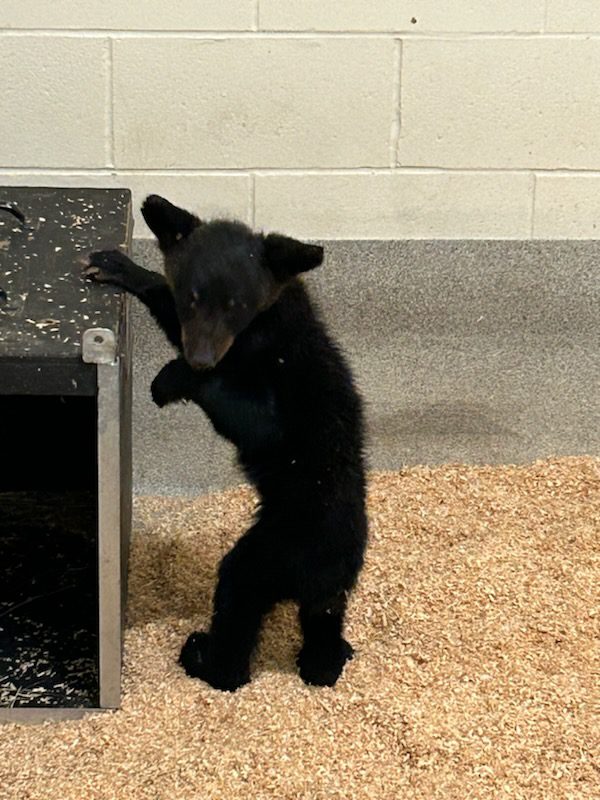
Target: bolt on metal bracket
[(99, 346)]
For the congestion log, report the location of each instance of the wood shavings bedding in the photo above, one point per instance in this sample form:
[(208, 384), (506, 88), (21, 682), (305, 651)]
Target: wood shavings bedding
[(476, 673)]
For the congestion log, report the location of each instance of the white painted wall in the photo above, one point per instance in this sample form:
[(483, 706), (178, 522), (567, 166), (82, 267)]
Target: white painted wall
[(327, 119)]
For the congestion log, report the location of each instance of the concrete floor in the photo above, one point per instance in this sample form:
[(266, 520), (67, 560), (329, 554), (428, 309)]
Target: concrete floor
[(472, 351)]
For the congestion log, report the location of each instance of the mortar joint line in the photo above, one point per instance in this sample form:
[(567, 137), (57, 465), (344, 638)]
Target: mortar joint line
[(533, 201), (403, 169), (110, 90), (256, 20), (209, 35), (396, 100)]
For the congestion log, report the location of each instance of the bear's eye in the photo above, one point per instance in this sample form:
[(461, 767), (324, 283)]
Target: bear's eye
[(231, 302), (194, 300)]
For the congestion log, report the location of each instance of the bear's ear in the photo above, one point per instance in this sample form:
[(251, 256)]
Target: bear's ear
[(286, 257), (167, 222)]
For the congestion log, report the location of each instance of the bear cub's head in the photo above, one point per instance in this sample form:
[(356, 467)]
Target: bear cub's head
[(221, 274)]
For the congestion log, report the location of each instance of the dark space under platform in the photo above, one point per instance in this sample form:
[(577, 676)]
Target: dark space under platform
[(48, 600)]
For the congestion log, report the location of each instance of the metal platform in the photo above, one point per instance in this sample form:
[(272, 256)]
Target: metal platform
[(65, 404)]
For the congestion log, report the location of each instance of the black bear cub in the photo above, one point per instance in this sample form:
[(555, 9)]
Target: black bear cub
[(254, 355)]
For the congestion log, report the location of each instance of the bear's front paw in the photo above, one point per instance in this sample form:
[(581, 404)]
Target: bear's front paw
[(323, 665), (108, 266), (196, 660), (167, 386)]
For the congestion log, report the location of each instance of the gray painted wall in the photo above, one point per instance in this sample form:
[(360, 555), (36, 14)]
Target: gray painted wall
[(473, 351)]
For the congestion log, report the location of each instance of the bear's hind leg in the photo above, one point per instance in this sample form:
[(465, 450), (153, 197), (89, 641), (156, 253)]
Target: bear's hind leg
[(325, 651), (221, 657)]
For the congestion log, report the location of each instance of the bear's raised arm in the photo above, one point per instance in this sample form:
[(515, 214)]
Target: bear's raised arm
[(114, 267)]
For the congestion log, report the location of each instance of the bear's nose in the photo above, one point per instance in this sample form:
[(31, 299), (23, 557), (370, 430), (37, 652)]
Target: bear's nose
[(202, 356)]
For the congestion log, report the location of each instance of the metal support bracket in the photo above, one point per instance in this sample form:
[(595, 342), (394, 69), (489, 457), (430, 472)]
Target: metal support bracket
[(99, 346)]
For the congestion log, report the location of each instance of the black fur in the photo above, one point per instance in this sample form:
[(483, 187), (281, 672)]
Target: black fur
[(256, 357)]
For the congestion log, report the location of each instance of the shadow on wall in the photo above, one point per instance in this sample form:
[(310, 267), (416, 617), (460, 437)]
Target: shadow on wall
[(440, 419)]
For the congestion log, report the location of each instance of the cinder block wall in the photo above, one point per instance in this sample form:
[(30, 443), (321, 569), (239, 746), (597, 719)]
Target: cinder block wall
[(340, 119)]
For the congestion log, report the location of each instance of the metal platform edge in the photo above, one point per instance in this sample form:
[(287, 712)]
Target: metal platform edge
[(23, 716)]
